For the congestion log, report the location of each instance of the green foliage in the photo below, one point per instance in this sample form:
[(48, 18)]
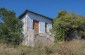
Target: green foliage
[(66, 23), (10, 27)]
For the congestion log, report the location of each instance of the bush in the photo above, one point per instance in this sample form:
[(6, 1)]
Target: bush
[(10, 27), (68, 26)]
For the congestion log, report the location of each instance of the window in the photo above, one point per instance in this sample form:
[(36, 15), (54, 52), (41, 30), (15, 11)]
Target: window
[(36, 25), (45, 27)]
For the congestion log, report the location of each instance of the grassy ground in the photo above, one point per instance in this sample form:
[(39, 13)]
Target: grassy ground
[(76, 47)]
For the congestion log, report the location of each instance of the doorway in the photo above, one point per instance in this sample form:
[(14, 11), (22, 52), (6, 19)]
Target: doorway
[(36, 25)]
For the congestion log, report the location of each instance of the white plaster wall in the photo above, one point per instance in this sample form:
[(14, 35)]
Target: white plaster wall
[(41, 27), (49, 27), (42, 21), (30, 23), (28, 38)]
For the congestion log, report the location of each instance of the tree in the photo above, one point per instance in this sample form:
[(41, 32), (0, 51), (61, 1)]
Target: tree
[(10, 27), (68, 26)]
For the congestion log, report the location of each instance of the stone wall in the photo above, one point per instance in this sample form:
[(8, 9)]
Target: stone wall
[(38, 39), (43, 39)]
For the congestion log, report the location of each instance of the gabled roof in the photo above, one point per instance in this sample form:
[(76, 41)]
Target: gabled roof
[(26, 11)]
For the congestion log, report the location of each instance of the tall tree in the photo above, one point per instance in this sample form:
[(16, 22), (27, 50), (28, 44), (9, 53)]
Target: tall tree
[(10, 27), (68, 26)]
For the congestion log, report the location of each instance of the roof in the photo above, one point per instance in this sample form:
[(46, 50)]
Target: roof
[(26, 11)]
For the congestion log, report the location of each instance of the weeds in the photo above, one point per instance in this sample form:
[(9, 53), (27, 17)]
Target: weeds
[(75, 47)]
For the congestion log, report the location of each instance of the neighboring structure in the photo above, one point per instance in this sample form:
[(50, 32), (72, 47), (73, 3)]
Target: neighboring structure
[(34, 23)]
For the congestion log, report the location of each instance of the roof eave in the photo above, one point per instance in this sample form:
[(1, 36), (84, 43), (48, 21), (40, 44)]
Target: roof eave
[(26, 11)]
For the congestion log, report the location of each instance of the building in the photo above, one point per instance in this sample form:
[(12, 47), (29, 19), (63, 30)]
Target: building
[(34, 23)]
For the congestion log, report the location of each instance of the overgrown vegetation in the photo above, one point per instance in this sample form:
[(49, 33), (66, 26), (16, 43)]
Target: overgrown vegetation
[(75, 47), (68, 26), (10, 27)]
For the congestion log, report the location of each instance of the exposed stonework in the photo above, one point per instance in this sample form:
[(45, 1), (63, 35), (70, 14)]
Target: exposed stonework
[(38, 39), (44, 39), (28, 39)]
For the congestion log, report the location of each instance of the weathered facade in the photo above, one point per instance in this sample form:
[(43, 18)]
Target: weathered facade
[(34, 23)]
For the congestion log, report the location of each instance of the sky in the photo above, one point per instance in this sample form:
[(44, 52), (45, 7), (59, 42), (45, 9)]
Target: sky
[(49, 8)]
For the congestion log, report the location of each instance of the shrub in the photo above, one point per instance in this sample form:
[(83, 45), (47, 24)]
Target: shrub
[(10, 27), (68, 26)]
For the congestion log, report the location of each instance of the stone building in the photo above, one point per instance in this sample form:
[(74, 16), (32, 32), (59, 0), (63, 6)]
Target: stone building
[(33, 24)]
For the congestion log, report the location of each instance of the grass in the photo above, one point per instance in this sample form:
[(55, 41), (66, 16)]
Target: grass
[(75, 47)]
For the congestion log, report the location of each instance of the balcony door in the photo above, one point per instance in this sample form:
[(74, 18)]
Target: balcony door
[(36, 25)]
